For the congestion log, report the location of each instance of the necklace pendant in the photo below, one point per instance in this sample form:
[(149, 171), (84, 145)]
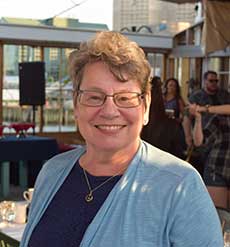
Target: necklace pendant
[(89, 197)]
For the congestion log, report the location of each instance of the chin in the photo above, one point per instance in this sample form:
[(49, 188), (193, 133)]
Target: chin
[(212, 90)]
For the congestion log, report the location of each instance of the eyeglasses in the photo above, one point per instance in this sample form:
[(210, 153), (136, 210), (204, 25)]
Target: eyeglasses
[(123, 99), (213, 80)]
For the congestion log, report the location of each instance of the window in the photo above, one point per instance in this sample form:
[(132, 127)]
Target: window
[(58, 110)]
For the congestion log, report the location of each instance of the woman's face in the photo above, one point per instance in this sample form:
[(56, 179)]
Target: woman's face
[(109, 127), (171, 87)]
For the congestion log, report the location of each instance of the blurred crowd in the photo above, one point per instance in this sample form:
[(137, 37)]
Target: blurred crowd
[(196, 130)]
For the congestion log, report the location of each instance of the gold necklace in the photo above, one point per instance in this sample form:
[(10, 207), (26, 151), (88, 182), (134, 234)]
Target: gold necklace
[(89, 196)]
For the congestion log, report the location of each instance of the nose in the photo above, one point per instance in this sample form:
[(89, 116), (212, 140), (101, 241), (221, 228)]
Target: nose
[(109, 109)]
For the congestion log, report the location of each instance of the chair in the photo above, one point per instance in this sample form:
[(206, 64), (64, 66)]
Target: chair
[(7, 241), (224, 215)]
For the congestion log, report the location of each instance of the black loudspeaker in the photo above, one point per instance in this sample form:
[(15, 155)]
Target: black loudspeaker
[(32, 83)]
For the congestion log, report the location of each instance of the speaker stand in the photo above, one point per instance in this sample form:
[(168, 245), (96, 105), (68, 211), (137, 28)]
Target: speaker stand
[(34, 118)]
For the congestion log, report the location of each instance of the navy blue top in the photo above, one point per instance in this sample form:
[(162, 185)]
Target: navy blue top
[(68, 215), (173, 104)]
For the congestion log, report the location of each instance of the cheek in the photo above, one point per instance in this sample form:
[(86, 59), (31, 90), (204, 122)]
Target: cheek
[(136, 118), (85, 115)]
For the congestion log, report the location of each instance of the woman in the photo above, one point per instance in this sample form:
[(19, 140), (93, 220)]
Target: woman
[(117, 190), (173, 99), (215, 134), (161, 131), (174, 102)]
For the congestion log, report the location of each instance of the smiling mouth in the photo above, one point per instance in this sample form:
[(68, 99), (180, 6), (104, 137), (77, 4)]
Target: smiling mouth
[(109, 127)]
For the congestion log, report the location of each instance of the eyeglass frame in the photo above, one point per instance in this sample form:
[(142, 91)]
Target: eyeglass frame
[(140, 97)]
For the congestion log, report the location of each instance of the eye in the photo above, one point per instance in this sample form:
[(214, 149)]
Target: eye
[(94, 97), (127, 99), (123, 98)]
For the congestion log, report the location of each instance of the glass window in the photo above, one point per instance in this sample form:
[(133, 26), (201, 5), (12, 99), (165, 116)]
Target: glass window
[(156, 61), (58, 109), (214, 64), (13, 55)]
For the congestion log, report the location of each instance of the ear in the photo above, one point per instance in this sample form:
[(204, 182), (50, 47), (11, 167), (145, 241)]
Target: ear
[(147, 108), (145, 121)]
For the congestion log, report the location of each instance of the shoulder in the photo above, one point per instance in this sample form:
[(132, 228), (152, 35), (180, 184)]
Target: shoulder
[(224, 96), (223, 92), (60, 162), (53, 174), (160, 163)]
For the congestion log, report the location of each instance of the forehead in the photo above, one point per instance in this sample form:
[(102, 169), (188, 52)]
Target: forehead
[(97, 75), (172, 83)]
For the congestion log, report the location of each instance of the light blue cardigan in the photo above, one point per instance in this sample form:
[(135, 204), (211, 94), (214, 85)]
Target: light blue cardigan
[(160, 201)]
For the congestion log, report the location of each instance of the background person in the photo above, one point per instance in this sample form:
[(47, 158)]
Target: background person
[(117, 190), (161, 131), (173, 99), (215, 109), (209, 95), (216, 135)]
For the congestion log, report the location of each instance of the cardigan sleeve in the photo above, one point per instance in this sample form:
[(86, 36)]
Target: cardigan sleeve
[(193, 219)]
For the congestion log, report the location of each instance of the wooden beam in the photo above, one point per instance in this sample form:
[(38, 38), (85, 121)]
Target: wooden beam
[(198, 70), (185, 77), (164, 67), (41, 112), (1, 82), (171, 67)]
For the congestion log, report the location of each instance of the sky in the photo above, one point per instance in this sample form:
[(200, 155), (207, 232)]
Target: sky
[(93, 11)]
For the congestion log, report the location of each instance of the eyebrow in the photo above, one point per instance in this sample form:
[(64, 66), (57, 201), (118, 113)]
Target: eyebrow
[(93, 88)]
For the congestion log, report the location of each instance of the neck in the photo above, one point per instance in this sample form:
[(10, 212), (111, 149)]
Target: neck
[(169, 96), (106, 163)]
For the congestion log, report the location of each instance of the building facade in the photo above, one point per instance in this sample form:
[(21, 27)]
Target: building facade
[(131, 15)]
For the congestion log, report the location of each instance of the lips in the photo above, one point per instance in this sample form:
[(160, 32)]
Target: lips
[(110, 127)]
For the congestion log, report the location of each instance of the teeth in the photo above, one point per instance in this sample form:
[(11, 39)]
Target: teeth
[(109, 127)]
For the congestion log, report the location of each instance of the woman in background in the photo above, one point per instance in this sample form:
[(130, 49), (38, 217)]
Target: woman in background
[(162, 132), (173, 99)]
